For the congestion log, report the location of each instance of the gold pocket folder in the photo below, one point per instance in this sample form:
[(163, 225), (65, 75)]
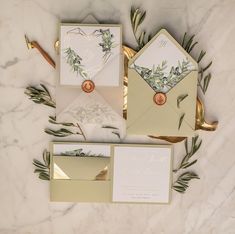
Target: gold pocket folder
[(173, 118), (90, 179)]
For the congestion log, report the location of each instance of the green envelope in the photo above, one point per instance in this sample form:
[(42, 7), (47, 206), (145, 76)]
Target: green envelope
[(144, 116), (75, 179), (89, 179)]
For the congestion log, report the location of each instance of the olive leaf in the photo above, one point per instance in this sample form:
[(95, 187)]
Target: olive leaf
[(180, 99), (203, 81), (182, 183), (40, 95), (181, 120), (43, 168), (115, 132), (195, 145), (109, 127), (137, 17), (62, 132)]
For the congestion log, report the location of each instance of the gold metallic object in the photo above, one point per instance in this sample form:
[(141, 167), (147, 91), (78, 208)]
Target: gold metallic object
[(57, 46), (103, 174), (34, 44), (200, 119)]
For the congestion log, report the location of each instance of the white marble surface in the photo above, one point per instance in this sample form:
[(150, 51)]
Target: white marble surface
[(209, 204)]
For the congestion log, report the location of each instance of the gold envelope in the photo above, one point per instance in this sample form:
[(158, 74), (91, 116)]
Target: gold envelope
[(77, 179), (145, 117), (74, 178)]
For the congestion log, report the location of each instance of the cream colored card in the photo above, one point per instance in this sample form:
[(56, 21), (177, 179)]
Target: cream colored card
[(162, 67), (90, 52), (141, 174)]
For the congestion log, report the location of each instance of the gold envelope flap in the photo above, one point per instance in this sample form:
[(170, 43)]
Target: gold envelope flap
[(80, 191), (145, 117), (79, 168)]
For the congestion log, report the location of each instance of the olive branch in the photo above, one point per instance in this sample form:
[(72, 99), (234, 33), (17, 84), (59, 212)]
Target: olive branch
[(204, 79), (43, 168), (42, 96), (137, 17), (182, 182)]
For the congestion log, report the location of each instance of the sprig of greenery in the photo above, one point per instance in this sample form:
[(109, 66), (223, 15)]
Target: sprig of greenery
[(203, 81), (181, 184), (40, 95), (180, 99), (195, 145), (64, 132), (43, 168), (181, 120), (137, 17), (114, 131), (74, 60)]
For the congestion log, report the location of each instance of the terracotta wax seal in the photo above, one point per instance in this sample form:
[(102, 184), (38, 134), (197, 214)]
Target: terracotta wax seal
[(159, 98), (88, 86)]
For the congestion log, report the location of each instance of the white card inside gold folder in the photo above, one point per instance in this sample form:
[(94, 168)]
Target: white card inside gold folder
[(141, 174)]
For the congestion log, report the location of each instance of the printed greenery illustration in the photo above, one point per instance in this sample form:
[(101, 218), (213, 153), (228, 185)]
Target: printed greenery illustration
[(74, 60), (107, 44), (80, 153), (137, 17), (159, 80)]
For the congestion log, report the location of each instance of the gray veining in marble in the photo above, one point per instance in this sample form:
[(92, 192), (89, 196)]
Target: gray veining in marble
[(209, 204)]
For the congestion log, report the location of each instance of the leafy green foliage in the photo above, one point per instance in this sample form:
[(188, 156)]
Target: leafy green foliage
[(181, 120), (40, 95), (180, 99), (203, 81), (137, 17), (74, 60), (43, 168), (64, 132), (195, 145), (182, 183)]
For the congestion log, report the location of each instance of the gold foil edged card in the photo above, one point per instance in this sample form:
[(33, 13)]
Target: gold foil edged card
[(59, 173), (103, 175)]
